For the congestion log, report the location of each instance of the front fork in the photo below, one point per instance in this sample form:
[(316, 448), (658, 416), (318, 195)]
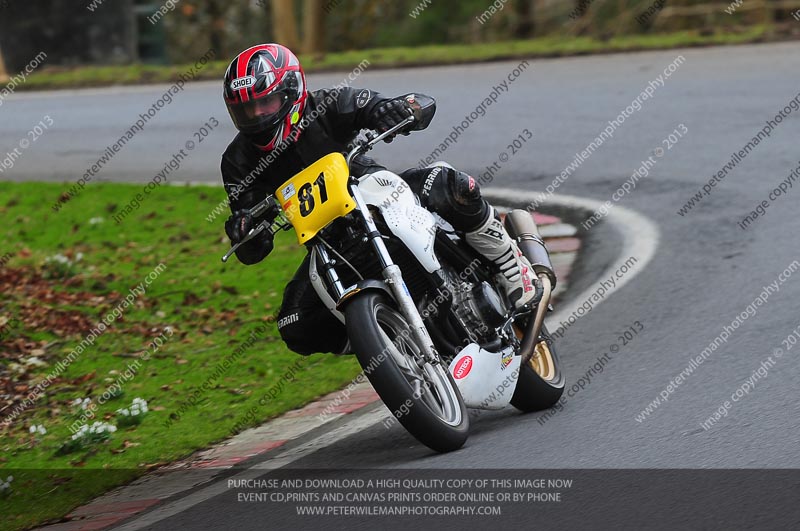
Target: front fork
[(391, 274), (394, 278)]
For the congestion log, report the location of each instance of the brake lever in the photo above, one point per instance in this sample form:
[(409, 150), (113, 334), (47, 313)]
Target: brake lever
[(261, 227), (393, 131)]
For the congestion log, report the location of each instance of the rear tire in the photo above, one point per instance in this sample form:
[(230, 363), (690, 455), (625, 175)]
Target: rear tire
[(425, 400), (541, 382)]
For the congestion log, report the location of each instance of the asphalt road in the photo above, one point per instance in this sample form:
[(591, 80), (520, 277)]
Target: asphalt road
[(705, 273)]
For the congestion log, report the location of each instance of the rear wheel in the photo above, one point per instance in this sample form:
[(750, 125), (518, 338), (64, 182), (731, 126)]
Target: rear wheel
[(541, 382), (422, 396)]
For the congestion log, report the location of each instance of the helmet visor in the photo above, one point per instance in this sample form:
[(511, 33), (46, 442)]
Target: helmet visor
[(260, 114)]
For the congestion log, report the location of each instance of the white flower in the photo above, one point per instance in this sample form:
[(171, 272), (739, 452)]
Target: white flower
[(60, 258), (138, 407), (34, 361), (78, 257), (97, 427), (95, 221), (9, 479), (82, 403), (41, 430), (32, 429)]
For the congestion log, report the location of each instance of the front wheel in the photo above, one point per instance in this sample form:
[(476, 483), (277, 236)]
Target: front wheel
[(422, 396), (541, 382)]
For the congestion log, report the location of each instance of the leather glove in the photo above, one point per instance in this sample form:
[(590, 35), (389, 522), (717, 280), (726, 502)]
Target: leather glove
[(238, 225), (390, 113)]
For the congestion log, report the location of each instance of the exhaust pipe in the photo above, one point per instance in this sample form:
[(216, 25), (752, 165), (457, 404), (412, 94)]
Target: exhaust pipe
[(521, 227)]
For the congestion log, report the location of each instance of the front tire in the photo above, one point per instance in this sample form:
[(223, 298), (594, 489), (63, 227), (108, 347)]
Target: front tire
[(541, 382), (422, 396)]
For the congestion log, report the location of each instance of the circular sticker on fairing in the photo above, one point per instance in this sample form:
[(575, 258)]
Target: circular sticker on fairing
[(363, 98), (462, 368)]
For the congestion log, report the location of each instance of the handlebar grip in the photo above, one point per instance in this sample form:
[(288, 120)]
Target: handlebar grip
[(263, 207)]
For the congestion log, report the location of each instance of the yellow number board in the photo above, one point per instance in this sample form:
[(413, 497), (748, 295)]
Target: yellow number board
[(316, 196)]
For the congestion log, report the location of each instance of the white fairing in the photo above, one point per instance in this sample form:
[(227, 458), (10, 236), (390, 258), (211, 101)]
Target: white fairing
[(407, 220), (486, 379)]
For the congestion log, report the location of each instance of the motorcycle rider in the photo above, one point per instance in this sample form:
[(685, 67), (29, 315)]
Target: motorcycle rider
[(266, 96)]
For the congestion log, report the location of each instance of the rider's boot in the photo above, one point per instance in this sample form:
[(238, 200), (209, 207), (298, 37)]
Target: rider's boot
[(515, 272)]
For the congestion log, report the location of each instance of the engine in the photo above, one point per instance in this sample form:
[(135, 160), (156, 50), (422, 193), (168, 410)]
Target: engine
[(478, 307)]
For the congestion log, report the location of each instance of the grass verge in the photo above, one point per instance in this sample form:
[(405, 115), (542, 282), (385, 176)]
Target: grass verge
[(201, 309), (91, 76)]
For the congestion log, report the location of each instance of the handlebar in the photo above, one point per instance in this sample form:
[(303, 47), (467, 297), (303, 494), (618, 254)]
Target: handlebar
[(366, 146), (270, 204)]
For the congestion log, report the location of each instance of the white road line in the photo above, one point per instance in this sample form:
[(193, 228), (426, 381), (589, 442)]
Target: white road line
[(281, 459), (640, 239)]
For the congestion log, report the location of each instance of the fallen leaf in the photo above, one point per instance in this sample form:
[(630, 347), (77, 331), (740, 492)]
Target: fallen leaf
[(190, 299)]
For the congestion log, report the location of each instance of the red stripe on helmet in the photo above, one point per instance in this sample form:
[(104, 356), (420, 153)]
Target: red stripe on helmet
[(279, 68), (241, 67)]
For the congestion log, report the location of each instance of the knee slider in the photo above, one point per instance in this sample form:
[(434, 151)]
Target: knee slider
[(465, 189), (297, 339), (329, 336), (291, 331), (456, 196)]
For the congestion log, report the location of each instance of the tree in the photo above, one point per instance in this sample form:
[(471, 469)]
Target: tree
[(286, 29), (216, 13), (284, 23), (313, 27), (524, 27), (3, 73)]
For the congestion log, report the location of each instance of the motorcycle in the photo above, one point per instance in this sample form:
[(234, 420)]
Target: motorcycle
[(432, 330)]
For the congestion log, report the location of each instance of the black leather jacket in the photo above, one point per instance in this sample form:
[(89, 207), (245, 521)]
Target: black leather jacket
[(249, 174)]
